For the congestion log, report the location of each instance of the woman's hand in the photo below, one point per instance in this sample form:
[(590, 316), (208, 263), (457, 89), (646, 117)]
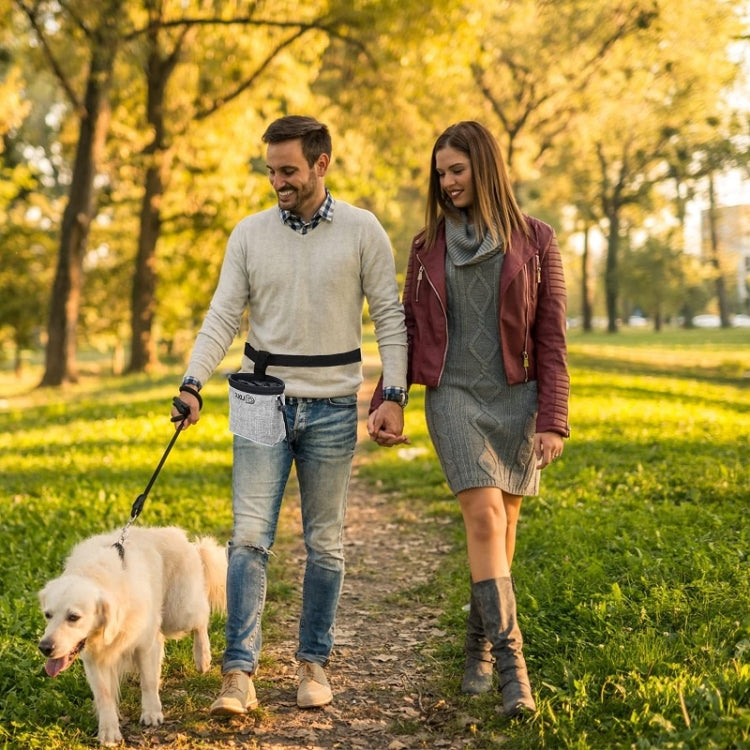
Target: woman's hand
[(548, 446)]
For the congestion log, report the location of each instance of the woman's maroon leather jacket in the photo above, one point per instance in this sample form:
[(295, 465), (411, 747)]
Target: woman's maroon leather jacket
[(531, 319)]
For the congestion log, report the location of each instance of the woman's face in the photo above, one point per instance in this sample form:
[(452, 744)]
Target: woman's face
[(454, 170)]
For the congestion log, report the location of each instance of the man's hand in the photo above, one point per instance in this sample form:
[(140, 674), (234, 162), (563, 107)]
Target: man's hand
[(386, 425), (180, 422)]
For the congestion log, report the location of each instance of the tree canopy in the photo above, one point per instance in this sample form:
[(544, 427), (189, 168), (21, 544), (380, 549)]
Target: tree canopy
[(131, 137)]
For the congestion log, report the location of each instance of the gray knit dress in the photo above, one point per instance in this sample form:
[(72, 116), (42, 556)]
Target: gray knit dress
[(481, 427)]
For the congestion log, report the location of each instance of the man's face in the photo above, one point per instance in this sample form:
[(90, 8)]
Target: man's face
[(299, 187)]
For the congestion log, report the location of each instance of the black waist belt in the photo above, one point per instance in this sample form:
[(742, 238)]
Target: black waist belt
[(264, 359)]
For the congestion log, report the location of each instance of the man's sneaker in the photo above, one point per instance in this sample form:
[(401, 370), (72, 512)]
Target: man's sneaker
[(313, 690), (237, 695)]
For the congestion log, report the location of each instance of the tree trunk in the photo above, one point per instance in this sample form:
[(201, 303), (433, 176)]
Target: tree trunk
[(611, 281), (143, 347), (586, 306), (143, 356), (715, 250), (18, 360), (61, 350)]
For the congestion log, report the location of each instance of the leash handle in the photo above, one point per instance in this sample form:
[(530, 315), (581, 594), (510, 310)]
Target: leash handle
[(182, 407)]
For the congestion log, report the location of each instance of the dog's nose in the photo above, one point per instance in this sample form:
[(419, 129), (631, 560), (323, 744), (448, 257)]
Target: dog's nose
[(46, 646)]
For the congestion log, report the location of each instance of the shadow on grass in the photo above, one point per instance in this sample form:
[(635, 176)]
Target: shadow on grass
[(729, 372)]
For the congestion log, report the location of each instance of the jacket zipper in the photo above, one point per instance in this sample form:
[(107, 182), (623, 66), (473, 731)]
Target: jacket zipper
[(421, 273), (525, 352)]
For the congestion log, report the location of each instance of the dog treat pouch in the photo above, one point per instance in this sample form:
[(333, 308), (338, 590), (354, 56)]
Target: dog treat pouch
[(256, 407)]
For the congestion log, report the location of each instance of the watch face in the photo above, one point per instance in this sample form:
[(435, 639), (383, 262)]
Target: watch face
[(399, 398)]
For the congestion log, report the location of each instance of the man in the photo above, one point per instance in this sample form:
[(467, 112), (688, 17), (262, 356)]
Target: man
[(303, 269)]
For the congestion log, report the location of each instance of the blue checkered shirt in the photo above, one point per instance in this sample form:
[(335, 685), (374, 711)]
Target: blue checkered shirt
[(324, 213)]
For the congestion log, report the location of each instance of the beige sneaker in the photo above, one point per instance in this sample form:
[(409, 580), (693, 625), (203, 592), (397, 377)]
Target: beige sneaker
[(313, 690), (237, 695)]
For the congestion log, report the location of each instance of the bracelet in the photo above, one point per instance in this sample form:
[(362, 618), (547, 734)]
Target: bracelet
[(193, 392)]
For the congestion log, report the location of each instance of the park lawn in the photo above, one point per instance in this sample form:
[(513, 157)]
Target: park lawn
[(632, 564), (632, 571)]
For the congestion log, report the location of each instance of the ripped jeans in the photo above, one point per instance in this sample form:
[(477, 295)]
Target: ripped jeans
[(322, 438)]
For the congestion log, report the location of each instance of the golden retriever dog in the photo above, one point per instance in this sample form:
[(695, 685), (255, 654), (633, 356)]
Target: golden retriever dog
[(115, 604)]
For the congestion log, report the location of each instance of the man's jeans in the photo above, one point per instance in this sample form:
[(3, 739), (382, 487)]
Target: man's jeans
[(322, 438)]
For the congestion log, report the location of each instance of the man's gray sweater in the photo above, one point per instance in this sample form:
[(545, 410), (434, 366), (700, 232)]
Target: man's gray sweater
[(305, 295)]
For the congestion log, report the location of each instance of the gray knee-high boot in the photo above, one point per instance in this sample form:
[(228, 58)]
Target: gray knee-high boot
[(497, 605), (478, 668)]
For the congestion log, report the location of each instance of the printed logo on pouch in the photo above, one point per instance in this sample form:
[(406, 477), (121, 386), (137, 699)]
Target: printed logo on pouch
[(246, 397)]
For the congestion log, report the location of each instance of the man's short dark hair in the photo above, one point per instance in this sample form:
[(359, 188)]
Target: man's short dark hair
[(316, 139)]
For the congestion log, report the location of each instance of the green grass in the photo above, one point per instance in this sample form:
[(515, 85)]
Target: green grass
[(632, 564), (632, 568)]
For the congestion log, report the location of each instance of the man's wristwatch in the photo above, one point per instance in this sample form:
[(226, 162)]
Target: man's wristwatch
[(399, 395)]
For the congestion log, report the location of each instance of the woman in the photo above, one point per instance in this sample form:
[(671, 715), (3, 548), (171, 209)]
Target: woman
[(485, 303)]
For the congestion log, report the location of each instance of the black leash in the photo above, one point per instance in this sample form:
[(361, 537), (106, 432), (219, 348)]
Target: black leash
[(135, 511)]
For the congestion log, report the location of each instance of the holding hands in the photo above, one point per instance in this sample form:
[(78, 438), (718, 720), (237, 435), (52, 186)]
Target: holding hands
[(386, 425)]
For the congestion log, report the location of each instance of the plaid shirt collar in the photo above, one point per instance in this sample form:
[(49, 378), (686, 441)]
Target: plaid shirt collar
[(324, 213)]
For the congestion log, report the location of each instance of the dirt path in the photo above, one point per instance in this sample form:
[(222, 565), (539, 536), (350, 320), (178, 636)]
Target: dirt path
[(378, 676)]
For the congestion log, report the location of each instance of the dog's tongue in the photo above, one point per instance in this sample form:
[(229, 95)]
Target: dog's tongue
[(53, 667)]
